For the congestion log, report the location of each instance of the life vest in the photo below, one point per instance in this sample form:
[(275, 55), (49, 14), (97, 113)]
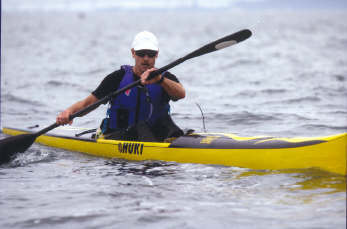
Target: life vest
[(142, 103)]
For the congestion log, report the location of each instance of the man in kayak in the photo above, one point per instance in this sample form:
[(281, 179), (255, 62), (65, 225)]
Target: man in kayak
[(141, 112)]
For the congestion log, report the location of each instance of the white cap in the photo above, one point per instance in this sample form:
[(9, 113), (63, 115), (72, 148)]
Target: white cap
[(145, 40)]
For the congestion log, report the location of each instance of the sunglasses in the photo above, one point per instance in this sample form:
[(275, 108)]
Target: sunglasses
[(144, 52)]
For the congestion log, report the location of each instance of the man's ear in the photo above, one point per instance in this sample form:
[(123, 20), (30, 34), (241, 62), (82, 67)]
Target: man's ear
[(133, 52)]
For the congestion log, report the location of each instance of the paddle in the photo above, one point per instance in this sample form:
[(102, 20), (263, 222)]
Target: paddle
[(16, 144)]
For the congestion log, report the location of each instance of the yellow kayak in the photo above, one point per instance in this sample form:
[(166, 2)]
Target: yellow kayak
[(260, 152)]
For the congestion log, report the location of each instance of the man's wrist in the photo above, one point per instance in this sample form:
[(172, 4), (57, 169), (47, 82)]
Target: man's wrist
[(161, 80)]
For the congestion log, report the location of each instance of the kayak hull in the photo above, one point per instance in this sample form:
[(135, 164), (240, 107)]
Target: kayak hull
[(260, 153)]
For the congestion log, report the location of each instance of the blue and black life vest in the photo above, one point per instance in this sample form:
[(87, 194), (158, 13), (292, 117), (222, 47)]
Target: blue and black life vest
[(142, 103)]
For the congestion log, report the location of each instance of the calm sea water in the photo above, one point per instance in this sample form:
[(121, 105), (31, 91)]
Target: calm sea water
[(288, 79)]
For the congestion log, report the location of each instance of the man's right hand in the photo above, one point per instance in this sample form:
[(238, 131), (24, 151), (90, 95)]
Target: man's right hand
[(64, 118)]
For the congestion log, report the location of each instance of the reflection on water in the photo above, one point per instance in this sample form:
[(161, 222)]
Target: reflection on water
[(316, 179), (307, 179)]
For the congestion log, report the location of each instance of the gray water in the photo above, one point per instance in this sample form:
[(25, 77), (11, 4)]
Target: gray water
[(288, 79)]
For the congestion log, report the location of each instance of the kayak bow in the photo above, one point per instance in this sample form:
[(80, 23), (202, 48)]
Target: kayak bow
[(264, 153)]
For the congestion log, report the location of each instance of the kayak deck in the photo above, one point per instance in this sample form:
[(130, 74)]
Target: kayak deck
[(264, 153)]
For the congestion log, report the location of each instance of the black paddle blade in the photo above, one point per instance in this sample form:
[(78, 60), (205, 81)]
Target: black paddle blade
[(15, 144), (222, 43)]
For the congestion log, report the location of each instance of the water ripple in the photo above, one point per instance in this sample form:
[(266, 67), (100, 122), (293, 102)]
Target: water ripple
[(16, 99)]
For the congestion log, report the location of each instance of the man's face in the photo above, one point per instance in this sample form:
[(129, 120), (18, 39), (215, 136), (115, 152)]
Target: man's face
[(144, 59)]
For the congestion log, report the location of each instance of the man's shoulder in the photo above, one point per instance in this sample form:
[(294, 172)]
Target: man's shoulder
[(119, 73), (109, 83)]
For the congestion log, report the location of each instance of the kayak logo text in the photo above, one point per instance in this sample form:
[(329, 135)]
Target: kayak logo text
[(130, 148)]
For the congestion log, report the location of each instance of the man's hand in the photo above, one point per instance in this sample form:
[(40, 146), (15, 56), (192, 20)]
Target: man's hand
[(64, 118), (145, 75), (174, 90)]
